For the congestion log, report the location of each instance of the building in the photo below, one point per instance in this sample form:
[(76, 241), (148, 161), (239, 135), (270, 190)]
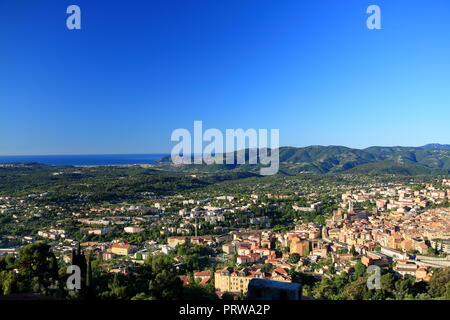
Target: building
[(373, 258), (299, 246), (203, 276), (422, 274), (237, 280), (393, 253), (133, 229), (97, 231), (107, 255), (249, 258), (174, 241), (121, 249), (441, 245), (405, 267), (263, 289), (230, 280), (229, 248)]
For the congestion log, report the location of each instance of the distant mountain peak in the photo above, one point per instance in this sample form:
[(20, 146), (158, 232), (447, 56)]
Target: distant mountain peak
[(436, 146)]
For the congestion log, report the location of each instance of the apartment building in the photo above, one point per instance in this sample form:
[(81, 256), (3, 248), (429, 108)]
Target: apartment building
[(237, 280), (121, 249)]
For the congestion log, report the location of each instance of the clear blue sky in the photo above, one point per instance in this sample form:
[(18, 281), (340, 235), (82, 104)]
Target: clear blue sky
[(140, 69)]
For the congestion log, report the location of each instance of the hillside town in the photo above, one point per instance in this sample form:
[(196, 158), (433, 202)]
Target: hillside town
[(402, 227)]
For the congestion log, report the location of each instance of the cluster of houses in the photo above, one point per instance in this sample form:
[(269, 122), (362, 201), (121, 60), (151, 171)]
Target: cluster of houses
[(398, 228)]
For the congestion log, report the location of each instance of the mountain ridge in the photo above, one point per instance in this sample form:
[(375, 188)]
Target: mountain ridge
[(333, 159), (436, 146)]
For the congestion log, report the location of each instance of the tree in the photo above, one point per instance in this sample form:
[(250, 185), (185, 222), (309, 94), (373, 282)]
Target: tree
[(191, 262), (420, 288), (341, 281), (294, 258), (166, 286), (331, 270), (199, 292), (117, 289), (447, 291), (267, 267), (164, 283), (432, 251), (7, 282), (403, 288), (36, 267), (320, 219), (79, 259), (356, 290), (307, 291), (388, 282), (439, 283), (242, 296), (324, 289), (360, 270), (89, 284), (227, 296), (143, 296)]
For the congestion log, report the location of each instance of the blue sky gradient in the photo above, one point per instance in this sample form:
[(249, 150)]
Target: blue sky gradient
[(137, 70)]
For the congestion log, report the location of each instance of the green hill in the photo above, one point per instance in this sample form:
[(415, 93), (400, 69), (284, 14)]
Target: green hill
[(333, 159)]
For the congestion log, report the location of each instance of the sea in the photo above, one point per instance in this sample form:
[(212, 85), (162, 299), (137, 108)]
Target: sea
[(86, 160)]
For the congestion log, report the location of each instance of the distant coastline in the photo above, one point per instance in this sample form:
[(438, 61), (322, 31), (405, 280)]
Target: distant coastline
[(86, 160)]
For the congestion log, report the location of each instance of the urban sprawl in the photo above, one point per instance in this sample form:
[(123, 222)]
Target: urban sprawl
[(403, 228)]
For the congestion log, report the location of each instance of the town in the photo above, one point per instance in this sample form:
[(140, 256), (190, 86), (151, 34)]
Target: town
[(224, 241)]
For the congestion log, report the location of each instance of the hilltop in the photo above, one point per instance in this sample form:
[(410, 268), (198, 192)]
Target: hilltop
[(429, 159)]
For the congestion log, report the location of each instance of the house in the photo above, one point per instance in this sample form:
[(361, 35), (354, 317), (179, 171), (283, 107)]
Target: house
[(186, 280), (133, 229), (237, 280), (203, 276), (107, 255), (174, 241), (405, 267), (373, 258), (229, 248), (422, 274), (121, 249), (393, 253)]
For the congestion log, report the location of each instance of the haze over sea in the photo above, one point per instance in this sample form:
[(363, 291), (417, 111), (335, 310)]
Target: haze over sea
[(86, 159)]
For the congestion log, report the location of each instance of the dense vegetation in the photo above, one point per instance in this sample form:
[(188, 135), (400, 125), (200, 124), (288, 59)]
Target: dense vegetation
[(36, 270), (354, 286)]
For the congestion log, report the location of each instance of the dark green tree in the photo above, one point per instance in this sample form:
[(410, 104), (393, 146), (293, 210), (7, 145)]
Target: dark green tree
[(294, 258), (439, 283)]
